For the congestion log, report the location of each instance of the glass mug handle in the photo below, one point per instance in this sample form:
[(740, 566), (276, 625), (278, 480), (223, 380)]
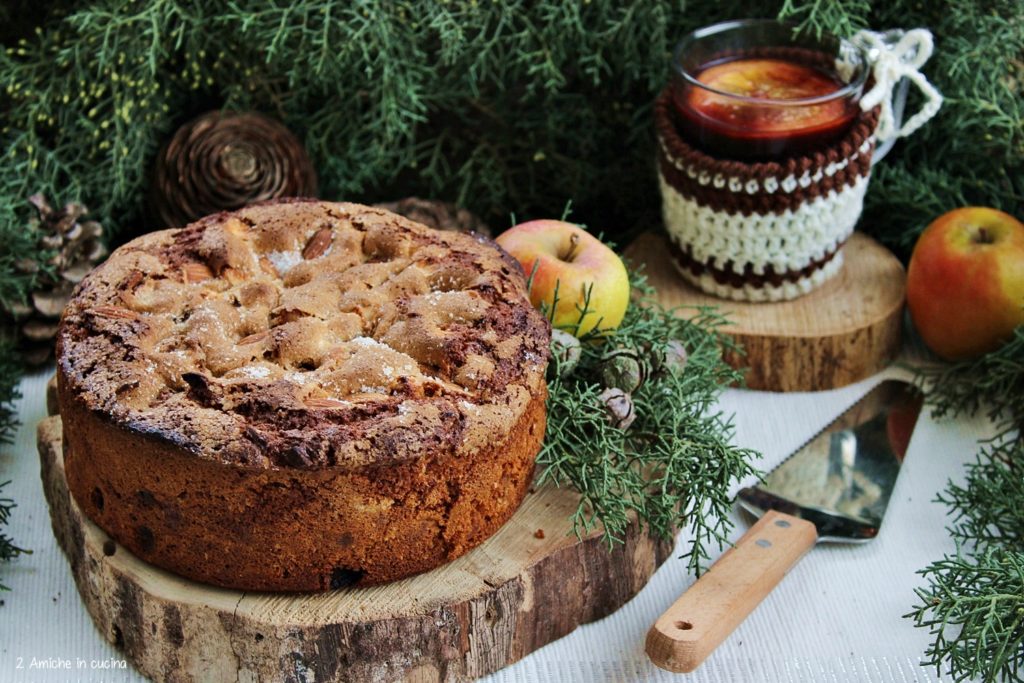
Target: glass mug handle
[(899, 103), (896, 57)]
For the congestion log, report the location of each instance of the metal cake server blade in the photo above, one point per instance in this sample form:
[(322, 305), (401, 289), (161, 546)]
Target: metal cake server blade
[(835, 487)]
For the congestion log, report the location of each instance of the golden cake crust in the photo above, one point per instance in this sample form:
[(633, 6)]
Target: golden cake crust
[(302, 394)]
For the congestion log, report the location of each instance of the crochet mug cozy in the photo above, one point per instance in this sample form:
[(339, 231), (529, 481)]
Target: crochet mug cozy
[(766, 231), (771, 231)]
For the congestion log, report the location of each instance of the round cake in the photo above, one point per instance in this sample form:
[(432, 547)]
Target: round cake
[(302, 395)]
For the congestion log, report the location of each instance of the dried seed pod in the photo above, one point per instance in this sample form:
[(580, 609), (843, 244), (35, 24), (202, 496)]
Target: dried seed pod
[(624, 368), (622, 372), (619, 407), (565, 351), (221, 161), (675, 357)]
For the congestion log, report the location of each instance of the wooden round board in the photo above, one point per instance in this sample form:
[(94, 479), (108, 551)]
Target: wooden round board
[(847, 329), (529, 584)]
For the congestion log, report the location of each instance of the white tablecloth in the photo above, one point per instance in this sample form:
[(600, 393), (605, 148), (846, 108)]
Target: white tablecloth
[(835, 617)]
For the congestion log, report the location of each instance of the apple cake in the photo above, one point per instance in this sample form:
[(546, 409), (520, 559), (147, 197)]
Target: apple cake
[(302, 395)]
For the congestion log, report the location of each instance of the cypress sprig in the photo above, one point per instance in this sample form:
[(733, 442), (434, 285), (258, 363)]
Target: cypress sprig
[(986, 509), (973, 602), (837, 18), (500, 106), (10, 371), (973, 607), (672, 467), (8, 550), (993, 382)]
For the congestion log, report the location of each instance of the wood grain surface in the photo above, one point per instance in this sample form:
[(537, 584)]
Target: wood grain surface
[(529, 584), (697, 623), (844, 331)]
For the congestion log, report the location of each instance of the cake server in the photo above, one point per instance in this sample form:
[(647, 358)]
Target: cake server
[(833, 488)]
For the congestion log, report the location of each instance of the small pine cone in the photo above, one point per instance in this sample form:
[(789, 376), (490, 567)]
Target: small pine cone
[(622, 372), (619, 405), (222, 161), (76, 248), (77, 244), (438, 215), (565, 351), (624, 368), (675, 358)]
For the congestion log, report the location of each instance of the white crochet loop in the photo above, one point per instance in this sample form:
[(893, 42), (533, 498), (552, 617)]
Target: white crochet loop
[(896, 55)]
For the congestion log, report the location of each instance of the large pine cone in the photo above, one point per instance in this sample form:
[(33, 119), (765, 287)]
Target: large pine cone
[(222, 161)]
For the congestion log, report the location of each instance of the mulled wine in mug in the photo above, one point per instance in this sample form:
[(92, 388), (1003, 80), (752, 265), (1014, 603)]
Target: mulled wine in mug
[(759, 90)]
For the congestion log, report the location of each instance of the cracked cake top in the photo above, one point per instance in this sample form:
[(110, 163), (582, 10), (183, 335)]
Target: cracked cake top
[(306, 334)]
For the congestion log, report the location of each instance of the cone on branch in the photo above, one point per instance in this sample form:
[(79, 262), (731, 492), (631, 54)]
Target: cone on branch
[(222, 161), (438, 215), (73, 247)]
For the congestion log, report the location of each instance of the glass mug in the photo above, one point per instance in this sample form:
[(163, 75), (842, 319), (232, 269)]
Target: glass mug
[(759, 90)]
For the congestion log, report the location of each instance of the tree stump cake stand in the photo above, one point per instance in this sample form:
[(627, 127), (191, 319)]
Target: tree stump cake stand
[(531, 583)]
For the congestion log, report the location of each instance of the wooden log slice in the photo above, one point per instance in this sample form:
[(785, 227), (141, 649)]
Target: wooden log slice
[(529, 584), (844, 331)]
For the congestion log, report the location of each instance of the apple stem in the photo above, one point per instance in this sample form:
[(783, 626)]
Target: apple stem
[(984, 237), (574, 242)]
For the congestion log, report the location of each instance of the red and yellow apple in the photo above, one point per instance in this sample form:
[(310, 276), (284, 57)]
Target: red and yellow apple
[(564, 258), (965, 283)]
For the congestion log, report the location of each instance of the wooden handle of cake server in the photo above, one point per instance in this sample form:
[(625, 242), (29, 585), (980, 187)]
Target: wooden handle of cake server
[(722, 598)]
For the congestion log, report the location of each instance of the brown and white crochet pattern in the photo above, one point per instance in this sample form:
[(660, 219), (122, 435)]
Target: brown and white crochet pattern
[(767, 231)]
